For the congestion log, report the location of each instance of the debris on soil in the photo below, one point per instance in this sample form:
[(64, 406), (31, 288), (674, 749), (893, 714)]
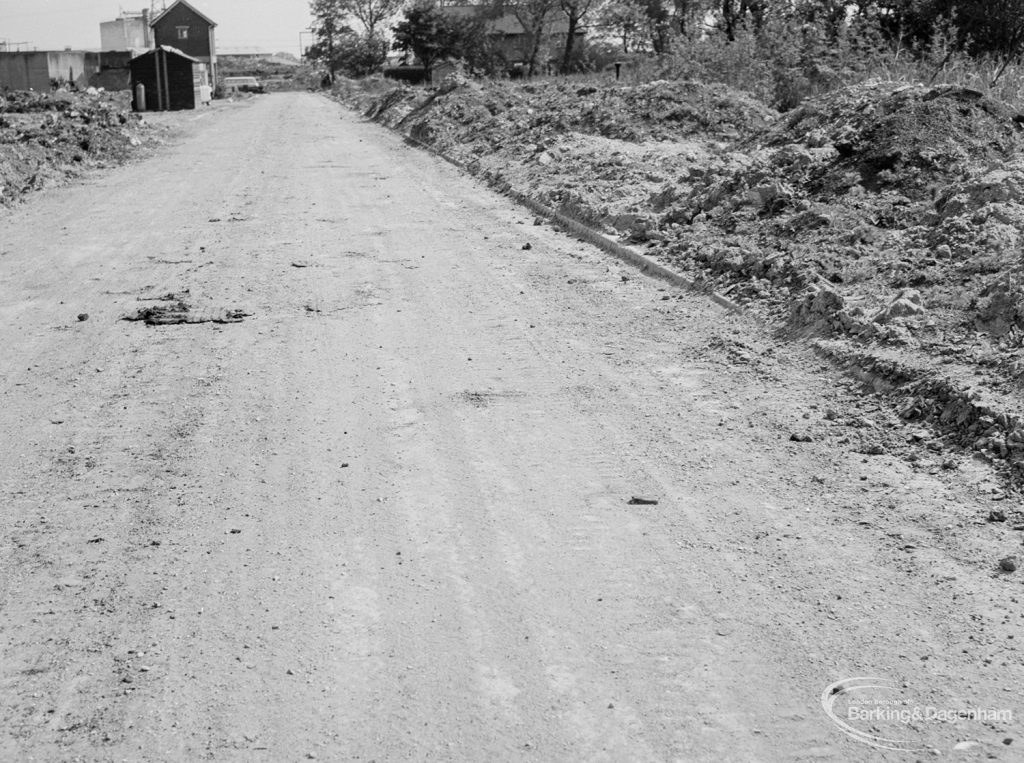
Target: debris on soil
[(181, 312), (46, 138)]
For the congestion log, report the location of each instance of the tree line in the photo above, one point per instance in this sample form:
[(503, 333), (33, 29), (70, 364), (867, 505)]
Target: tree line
[(355, 36)]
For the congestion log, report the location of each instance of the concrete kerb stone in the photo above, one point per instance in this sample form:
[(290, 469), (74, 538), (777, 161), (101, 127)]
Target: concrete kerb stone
[(642, 262)]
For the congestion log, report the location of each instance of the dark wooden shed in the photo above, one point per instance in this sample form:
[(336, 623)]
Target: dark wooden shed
[(171, 80)]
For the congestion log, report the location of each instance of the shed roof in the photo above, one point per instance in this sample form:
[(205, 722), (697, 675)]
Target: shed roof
[(172, 51), (192, 8)]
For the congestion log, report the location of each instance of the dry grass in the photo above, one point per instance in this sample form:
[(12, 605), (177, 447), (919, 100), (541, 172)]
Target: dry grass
[(786, 65)]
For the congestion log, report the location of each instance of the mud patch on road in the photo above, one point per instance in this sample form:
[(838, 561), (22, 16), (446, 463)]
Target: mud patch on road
[(181, 312), (484, 399)]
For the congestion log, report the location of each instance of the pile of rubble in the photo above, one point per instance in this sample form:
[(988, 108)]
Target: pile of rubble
[(873, 190), (46, 138)]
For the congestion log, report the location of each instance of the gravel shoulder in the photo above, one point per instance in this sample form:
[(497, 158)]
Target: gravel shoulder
[(386, 514)]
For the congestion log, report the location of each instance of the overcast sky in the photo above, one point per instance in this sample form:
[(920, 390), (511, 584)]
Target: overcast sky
[(270, 25)]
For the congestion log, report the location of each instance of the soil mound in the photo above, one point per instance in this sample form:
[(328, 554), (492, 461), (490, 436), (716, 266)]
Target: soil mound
[(661, 110), (464, 111), (898, 136), (45, 138)]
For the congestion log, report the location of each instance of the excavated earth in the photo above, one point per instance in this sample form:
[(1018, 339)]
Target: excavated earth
[(47, 138), (882, 222)]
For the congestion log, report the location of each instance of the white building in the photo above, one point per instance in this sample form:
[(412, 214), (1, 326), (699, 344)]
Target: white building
[(130, 31)]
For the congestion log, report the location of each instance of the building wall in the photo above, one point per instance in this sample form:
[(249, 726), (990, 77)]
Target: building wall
[(213, 57), (24, 71), (508, 35), (72, 66), (34, 70), (131, 33), (180, 75), (112, 70), (178, 20)]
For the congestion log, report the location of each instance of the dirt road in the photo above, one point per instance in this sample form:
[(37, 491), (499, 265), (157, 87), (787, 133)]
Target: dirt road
[(387, 516)]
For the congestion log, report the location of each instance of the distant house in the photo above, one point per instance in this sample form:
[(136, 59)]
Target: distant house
[(185, 29), (511, 39), (170, 81)]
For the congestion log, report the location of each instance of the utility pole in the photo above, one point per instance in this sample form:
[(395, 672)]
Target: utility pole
[(302, 50)]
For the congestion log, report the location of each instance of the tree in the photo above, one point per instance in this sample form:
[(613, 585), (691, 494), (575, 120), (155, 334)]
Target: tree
[(427, 33), (340, 47), (736, 13), (372, 13), (627, 21), (992, 26), (432, 34), (659, 25), (535, 16), (828, 15), (995, 27), (574, 10), (684, 13), (359, 54), (978, 27), (475, 44), (328, 27)]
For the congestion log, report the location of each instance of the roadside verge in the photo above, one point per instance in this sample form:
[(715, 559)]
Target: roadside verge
[(940, 396)]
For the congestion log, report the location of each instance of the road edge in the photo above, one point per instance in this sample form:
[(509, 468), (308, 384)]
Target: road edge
[(646, 265)]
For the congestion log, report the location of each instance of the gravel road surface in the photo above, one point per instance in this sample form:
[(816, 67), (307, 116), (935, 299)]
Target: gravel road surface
[(387, 515)]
